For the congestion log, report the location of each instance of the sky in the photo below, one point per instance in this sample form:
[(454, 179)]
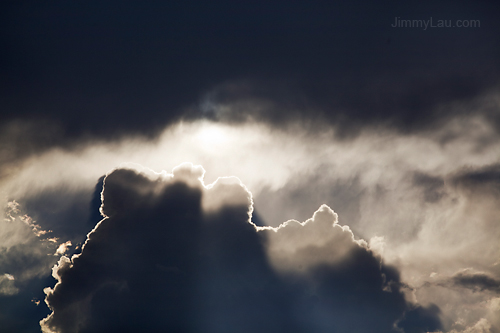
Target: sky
[(220, 166)]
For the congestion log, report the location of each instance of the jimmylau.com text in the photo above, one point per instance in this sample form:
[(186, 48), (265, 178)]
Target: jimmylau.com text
[(430, 23)]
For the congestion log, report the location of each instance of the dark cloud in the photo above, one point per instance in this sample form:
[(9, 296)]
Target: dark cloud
[(414, 319), (95, 204), (433, 186), (484, 180), (173, 255), (477, 281), (21, 139), (350, 106), (134, 66)]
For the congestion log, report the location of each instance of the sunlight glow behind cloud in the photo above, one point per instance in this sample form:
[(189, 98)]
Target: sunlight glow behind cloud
[(212, 136)]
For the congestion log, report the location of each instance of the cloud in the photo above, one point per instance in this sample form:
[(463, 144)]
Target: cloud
[(26, 256), (476, 281), (396, 129), (414, 109), (421, 192), (296, 247), (7, 286), (407, 189), (25, 248), (472, 298), (433, 187), (19, 139), (345, 66), (63, 247), (489, 324), (171, 253), (483, 181)]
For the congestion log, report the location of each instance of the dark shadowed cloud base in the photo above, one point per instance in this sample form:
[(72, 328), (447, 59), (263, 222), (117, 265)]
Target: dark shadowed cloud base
[(162, 260)]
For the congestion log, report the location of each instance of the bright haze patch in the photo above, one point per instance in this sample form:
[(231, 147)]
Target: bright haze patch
[(211, 136)]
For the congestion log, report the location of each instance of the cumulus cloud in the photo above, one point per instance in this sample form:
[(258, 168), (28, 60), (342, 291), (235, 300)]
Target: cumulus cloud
[(172, 253), (295, 246)]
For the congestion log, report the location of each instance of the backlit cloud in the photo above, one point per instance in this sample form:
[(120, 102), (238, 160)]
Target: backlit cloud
[(161, 258)]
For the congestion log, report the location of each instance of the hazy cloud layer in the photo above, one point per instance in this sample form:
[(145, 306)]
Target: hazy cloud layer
[(26, 250), (161, 260)]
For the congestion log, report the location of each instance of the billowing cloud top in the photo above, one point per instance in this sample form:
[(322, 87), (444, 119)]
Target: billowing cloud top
[(173, 254), (296, 246)]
